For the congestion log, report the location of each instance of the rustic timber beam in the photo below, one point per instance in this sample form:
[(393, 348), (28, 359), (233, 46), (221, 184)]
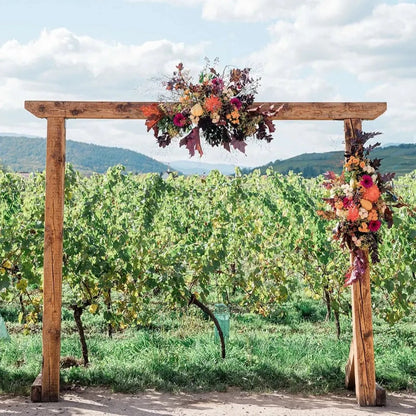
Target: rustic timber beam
[(52, 263), (133, 110), (360, 369)]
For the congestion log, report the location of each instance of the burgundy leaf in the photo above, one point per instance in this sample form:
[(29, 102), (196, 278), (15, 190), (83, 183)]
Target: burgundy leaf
[(192, 142), (357, 270), (387, 177), (371, 147), (238, 144), (226, 146), (388, 216), (375, 163), (269, 124)]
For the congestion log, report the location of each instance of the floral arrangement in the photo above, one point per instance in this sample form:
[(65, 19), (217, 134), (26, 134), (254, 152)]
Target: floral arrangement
[(220, 106), (361, 200)]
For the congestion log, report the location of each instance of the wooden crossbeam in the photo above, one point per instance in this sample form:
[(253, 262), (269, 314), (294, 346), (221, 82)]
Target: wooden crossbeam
[(133, 110)]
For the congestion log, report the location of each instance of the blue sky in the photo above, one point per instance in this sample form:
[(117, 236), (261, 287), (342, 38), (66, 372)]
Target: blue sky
[(309, 50)]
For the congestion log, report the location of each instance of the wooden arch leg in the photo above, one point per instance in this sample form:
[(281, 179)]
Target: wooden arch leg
[(360, 369), (46, 387)]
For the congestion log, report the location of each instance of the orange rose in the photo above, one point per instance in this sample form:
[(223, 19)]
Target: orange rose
[(372, 194)]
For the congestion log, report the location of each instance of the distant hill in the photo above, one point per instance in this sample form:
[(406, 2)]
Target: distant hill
[(24, 154), (188, 167), (400, 159)]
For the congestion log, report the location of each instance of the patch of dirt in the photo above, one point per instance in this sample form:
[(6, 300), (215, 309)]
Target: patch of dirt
[(100, 402)]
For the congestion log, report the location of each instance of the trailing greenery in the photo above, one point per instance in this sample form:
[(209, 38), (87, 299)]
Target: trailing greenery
[(400, 159)]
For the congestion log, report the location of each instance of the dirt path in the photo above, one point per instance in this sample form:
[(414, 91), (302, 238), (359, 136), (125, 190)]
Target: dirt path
[(95, 402)]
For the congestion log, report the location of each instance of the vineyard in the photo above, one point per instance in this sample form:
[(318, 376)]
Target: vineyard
[(138, 245)]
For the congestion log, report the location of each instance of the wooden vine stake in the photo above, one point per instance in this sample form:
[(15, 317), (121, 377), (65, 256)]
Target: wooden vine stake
[(360, 369)]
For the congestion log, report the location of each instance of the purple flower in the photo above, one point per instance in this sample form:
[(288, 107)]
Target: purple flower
[(179, 120), (366, 181), (373, 226), (236, 103)]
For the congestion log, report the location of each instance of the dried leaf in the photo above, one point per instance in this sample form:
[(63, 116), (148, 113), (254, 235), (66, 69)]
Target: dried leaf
[(192, 142), (153, 115), (238, 144)]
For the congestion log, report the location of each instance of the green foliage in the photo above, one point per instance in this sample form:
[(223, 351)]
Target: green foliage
[(248, 241)]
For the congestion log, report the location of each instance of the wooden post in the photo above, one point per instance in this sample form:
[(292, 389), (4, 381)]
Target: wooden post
[(363, 346), (362, 355), (52, 283)]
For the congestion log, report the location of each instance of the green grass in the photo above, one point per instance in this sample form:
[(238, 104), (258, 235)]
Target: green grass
[(178, 352)]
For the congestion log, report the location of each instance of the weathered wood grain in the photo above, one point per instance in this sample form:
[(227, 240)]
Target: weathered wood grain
[(52, 283), (362, 354), (133, 110), (363, 345)]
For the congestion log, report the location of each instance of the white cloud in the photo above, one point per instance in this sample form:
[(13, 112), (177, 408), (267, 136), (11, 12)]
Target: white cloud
[(63, 65), (309, 58)]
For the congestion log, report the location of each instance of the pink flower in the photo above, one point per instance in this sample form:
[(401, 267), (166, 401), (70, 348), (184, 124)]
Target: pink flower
[(236, 103), (374, 225), (366, 181), (179, 120)]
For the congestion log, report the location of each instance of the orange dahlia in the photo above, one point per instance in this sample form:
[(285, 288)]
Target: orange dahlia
[(353, 213), (213, 104)]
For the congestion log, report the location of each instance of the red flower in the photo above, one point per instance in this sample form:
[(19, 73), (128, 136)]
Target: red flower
[(374, 225), (179, 120), (236, 103), (366, 181), (347, 202)]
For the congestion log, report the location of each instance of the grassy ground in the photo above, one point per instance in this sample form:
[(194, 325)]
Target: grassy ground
[(293, 351)]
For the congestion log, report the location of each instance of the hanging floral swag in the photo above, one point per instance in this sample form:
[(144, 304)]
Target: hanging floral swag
[(361, 200), (220, 106)]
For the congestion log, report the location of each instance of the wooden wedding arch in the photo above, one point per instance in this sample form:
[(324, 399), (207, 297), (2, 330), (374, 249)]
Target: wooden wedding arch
[(360, 369)]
